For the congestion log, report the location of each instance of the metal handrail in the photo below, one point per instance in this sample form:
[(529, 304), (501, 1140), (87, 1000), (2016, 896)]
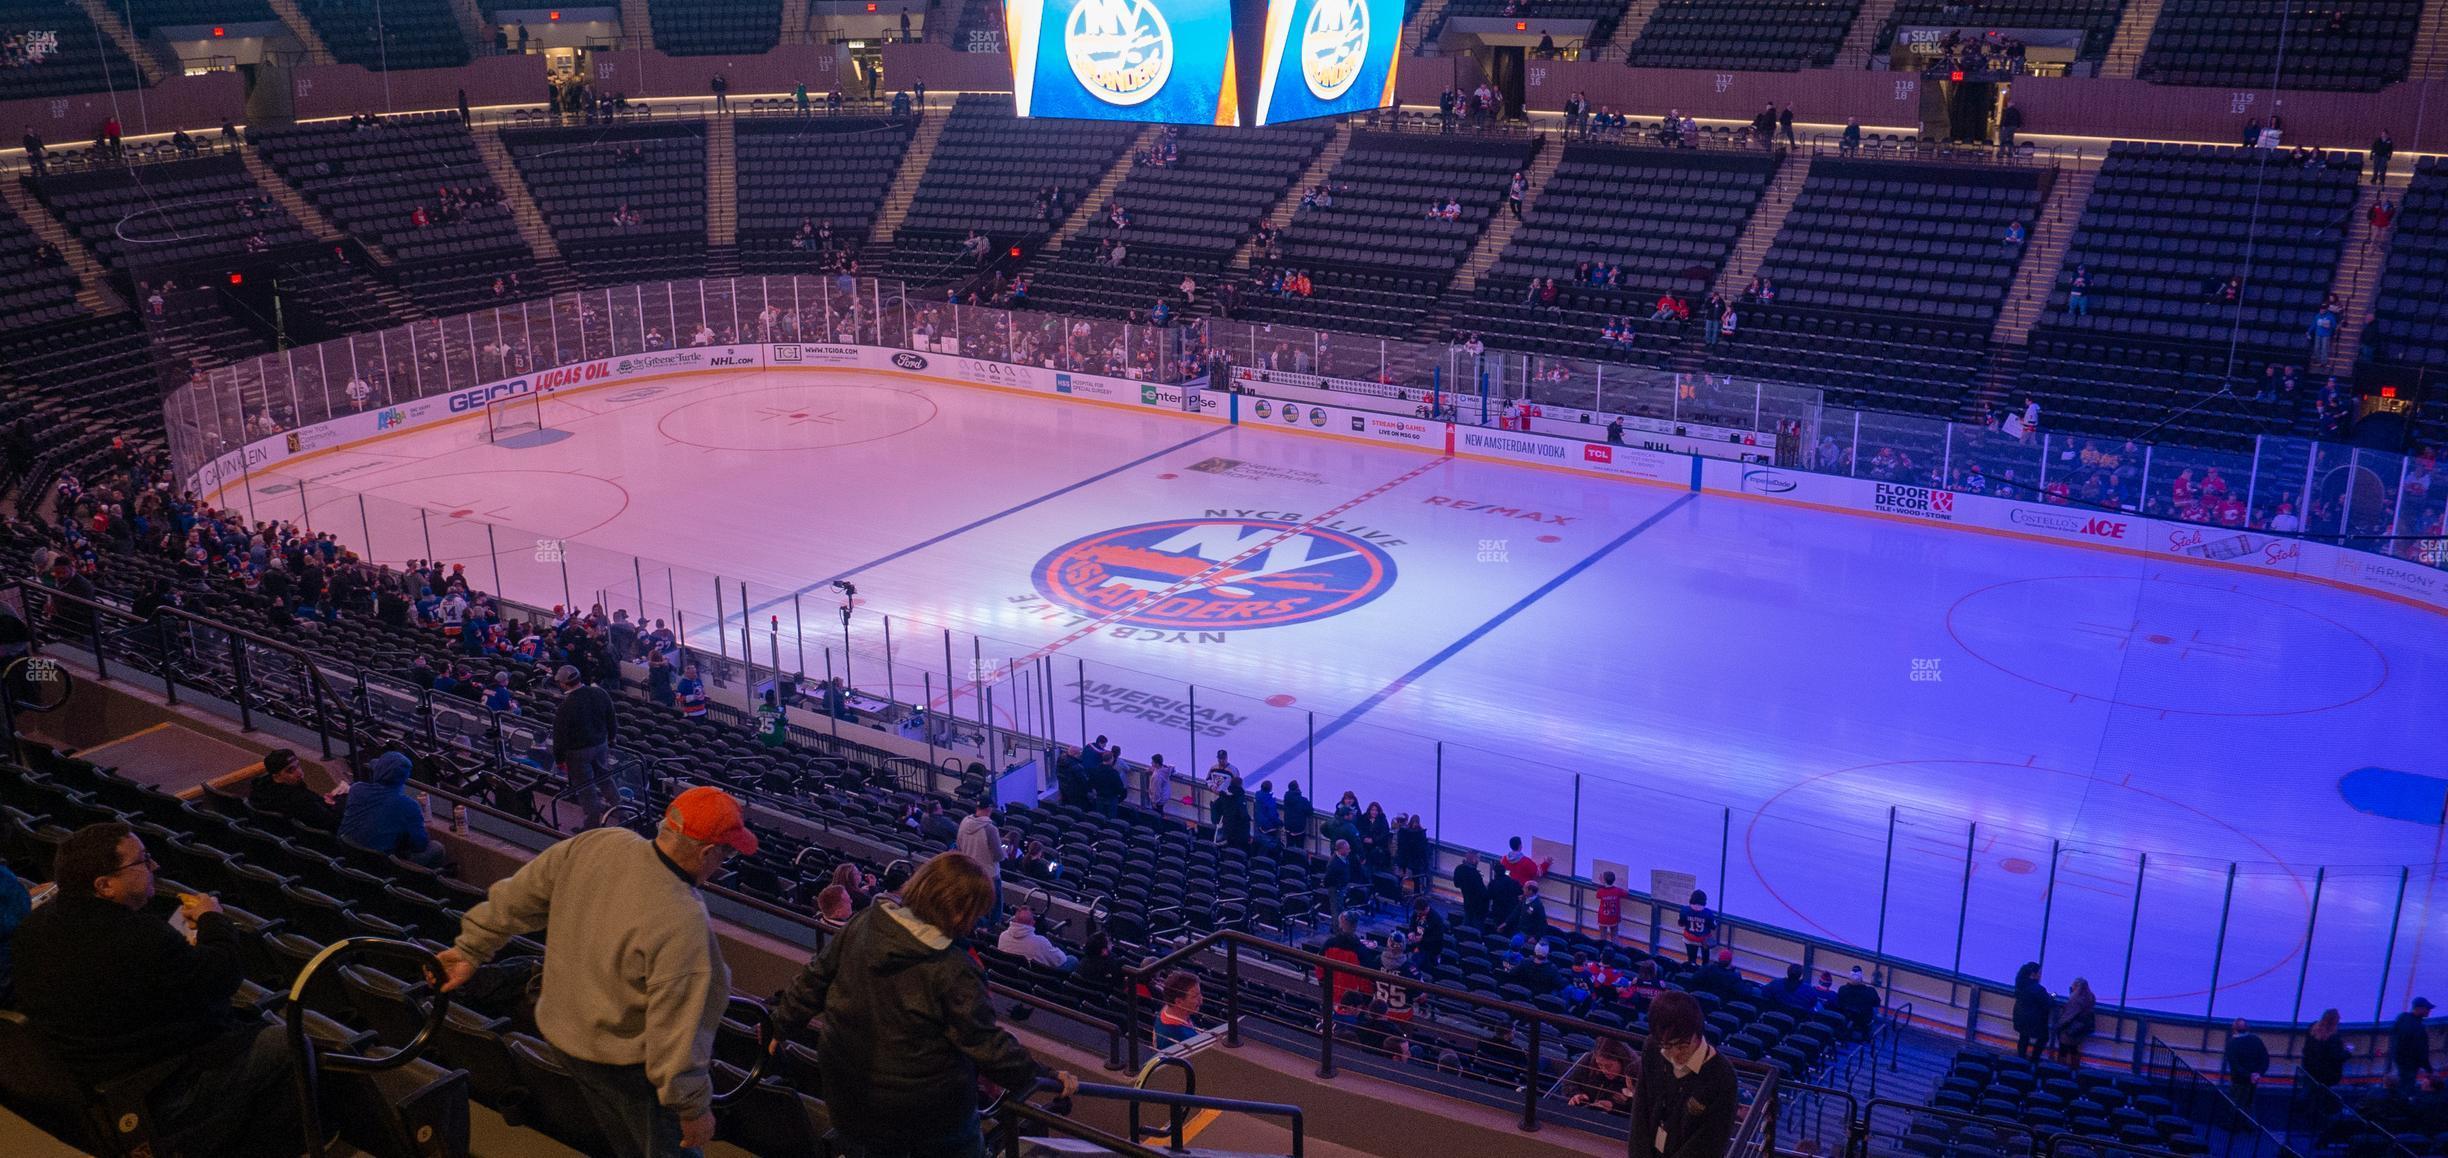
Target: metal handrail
[(302, 1050), (238, 637), (1295, 1118)]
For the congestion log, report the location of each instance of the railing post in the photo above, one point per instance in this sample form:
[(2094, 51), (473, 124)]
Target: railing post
[(1326, 1022), (238, 672), (1232, 994), (161, 647), (314, 683), (93, 633), (1530, 1077)]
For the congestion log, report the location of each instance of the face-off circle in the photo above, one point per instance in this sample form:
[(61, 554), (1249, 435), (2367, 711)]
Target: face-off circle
[(2166, 645)]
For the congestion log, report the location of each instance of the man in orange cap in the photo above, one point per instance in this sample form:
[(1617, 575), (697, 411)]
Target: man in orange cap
[(634, 982)]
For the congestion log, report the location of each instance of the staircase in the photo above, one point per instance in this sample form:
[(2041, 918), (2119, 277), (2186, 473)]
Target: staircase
[(905, 182), (1310, 178), (305, 211), (1093, 202), (2358, 278), (107, 19), (1766, 220), (637, 27), (1628, 27), (2430, 60), (317, 52), (2043, 254), (1431, 13), (795, 21), (722, 204), (538, 235), (400, 304), (2132, 34), (1861, 40), (1501, 226), (94, 290), (472, 27)]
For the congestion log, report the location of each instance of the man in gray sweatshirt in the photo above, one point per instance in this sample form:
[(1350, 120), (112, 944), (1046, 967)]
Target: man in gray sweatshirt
[(634, 982)]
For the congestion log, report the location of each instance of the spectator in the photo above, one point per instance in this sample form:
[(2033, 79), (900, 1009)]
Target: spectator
[(1850, 142), (2323, 331), (982, 843), (2247, 1059), (854, 882), (583, 730), (1604, 1079), (908, 1029), (1699, 925), (1177, 1021), (2382, 148), (282, 791), (114, 989), (1297, 814), (2074, 1022), (381, 816), (1858, 1001), (1105, 782), (2010, 122), (1524, 871), (1683, 1105), (722, 93), (1345, 875), (833, 907), (2032, 1007), (936, 828), (1793, 990), (634, 981), (2410, 1047), (1021, 939), (1785, 122), (2015, 233), (2078, 293), (2325, 1051), (1266, 814), (16, 904), (1232, 812), (1426, 931), (1471, 883)]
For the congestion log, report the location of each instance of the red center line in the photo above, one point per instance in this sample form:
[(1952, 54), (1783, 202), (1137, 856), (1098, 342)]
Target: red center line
[(1212, 572)]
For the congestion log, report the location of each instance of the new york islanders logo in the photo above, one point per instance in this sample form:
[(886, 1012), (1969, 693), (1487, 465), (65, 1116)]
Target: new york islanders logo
[(1216, 573), (1334, 44), (1120, 50)]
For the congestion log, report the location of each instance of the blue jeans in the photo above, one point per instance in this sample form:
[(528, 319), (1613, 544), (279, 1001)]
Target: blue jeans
[(634, 1123), (964, 1141)]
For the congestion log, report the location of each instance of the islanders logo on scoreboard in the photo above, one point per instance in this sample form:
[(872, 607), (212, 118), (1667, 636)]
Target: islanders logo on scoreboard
[(1218, 573), (1334, 44), (1121, 50)]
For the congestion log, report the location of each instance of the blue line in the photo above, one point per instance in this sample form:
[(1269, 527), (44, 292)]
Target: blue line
[(1455, 648), (972, 525)]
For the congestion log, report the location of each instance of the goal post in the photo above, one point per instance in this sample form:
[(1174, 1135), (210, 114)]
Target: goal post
[(514, 415)]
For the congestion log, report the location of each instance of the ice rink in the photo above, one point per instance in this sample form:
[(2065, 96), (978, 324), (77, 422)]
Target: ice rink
[(1765, 696)]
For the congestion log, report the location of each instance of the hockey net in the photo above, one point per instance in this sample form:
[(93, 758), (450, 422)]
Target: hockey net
[(506, 418)]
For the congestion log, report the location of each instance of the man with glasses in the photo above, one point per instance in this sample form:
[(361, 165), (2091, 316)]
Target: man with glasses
[(1685, 1102), (634, 982), (103, 977)]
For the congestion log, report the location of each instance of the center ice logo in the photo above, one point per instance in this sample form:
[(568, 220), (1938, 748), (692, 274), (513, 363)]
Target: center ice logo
[(1184, 574)]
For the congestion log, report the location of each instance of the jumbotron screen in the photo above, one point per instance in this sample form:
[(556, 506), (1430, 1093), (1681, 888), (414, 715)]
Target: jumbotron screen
[(1325, 57), (1167, 61)]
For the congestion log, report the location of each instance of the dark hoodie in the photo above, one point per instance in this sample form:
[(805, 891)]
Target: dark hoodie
[(380, 814), (908, 1029)]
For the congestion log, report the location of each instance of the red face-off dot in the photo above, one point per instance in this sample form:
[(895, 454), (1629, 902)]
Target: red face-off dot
[(1551, 538), (1279, 701)]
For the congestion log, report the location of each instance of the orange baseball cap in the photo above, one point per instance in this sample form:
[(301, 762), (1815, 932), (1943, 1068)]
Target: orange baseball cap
[(711, 815)]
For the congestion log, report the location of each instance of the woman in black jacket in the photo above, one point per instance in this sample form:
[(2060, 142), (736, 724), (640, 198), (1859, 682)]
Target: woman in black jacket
[(1684, 1104), (2032, 1009), (908, 1030), (2325, 1051)]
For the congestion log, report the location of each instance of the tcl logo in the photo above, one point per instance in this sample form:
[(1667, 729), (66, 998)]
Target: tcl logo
[(1597, 452)]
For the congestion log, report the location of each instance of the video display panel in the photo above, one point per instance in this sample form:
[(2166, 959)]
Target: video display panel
[(1325, 57), (1166, 61)]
